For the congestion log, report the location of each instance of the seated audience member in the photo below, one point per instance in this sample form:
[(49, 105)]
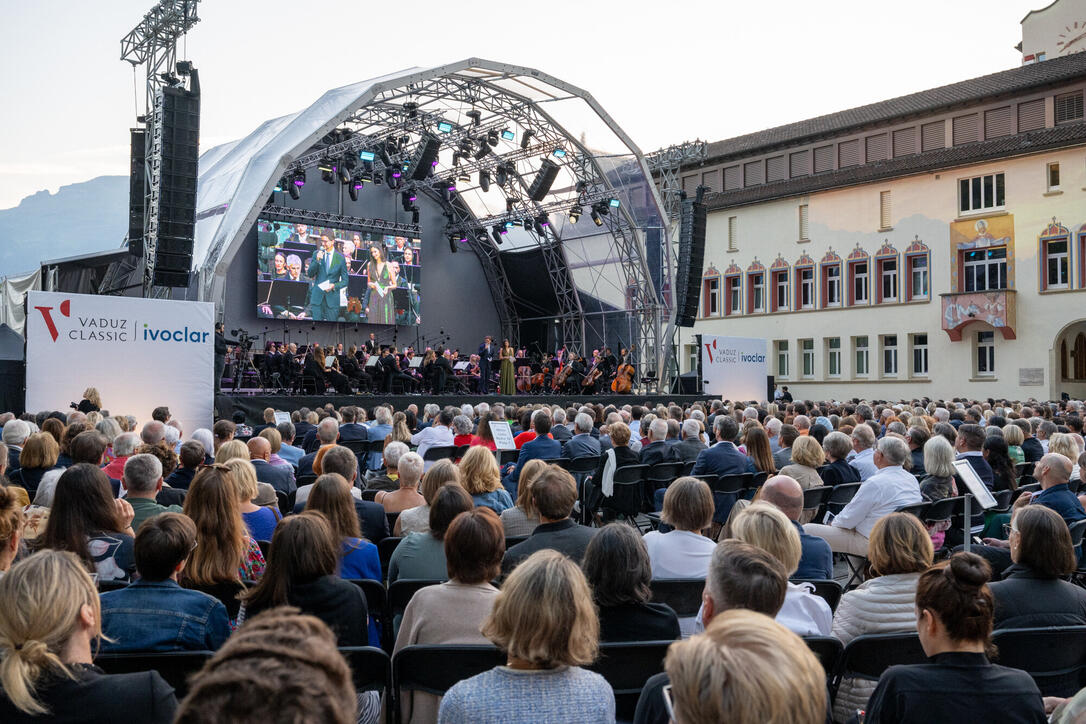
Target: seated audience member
[(954, 619), (422, 555), (281, 478), (543, 447), (900, 550), (807, 458), (723, 458), (19, 492), (287, 450), (884, 492), (938, 483), (522, 518), (455, 611), (275, 440), (15, 433), (260, 521), (863, 452), (543, 618), (618, 455), (332, 498), (786, 438), (280, 666), (836, 471), (997, 454), (658, 450), (745, 668), (207, 440), (120, 449), (230, 450), (1014, 438), (480, 476), (683, 552), (191, 457), (553, 494), (154, 613), (302, 572), (688, 449), (741, 576), (407, 495), (463, 427), (50, 620), (483, 436), (38, 456), (225, 553), (1032, 592), (371, 515), (756, 447), (1063, 444), (581, 444), (916, 438), (326, 433), (969, 444), (765, 526), (616, 565), (86, 520), (816, 561), (417, 519), (11, 526), (388, 477), (142, 480)]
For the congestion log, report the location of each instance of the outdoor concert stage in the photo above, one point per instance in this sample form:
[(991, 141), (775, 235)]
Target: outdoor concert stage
[(254, 405)]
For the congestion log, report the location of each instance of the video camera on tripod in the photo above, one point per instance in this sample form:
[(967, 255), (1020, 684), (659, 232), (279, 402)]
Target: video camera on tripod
[(242, 339)]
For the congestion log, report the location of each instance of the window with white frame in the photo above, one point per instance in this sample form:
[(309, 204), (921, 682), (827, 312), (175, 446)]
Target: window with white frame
[(757, 292), (1057, 264), (780, 290), (985, 354), (733, 287), (918, 276), (920, 355), (692, 353), (833, 286), (981, 193), (888, 274), (833, 357), (806, 288), (712, 297), (860, 286), (985, 269), (1053, 176), (889, 355), (807, 349), (782, 358), (861, 356)]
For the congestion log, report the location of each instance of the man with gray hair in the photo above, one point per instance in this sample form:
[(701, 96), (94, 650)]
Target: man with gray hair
[(688, 449), (327, 433), (884, 492), (559, 430), (581, 444), (15, 434), (142, 479), (773, 431), (379, 429), (287, 450), (124, 445), (863, 448), (389, 479), (153, 432), (657, 451)]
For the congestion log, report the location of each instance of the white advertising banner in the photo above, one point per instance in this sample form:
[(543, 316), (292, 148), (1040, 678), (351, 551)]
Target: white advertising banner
[(138, 353), (734, 368)]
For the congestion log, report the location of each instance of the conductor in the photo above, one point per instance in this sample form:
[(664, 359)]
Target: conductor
[(486, 356), (330, 273)]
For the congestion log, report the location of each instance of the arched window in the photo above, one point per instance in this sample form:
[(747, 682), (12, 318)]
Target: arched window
[(831, 282), (779, 299), (1080, 356), (756, 288), (887, 275), (733, 290), (710, 293), (1055, 256), (917, 271), (858, 265), (805, 283)]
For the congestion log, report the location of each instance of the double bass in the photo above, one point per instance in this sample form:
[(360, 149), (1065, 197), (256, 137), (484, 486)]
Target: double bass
[(623, 381), (561, 376)]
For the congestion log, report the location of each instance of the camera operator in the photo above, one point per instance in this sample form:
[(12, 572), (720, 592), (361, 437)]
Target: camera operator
[(221, 343)]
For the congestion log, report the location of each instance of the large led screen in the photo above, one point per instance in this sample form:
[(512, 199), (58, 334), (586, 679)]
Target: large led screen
[(333, 275)]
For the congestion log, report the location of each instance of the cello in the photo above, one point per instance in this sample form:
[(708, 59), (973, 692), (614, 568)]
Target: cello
[(623, 382)]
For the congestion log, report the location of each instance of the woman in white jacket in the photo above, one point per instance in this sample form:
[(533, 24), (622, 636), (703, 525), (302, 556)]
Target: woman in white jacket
[(899, 551)]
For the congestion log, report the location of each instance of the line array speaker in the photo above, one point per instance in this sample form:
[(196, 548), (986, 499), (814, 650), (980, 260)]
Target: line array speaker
[(425, 155), (690, 262), (543, 180), (137, 178), (177, 151)]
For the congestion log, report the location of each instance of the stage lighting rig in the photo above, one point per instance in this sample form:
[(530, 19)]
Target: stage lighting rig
[(575, 214), (498, 232), (475, 116), (484, 149), (526, 138), (327, 170), (408, 198), (492, 138), (484, 180), (411, 108), (541, 224), (344, 173), (354, 187), (501, 174), (466, 147), (596, 218)]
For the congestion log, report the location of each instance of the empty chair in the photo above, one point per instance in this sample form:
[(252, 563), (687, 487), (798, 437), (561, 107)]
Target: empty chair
[(627, 666), (828, 649), (1055, 656), (682, 594)]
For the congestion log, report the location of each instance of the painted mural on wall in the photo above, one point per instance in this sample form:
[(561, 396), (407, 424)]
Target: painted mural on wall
[(977, 234)]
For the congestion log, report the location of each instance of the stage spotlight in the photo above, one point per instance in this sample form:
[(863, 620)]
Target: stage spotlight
[(601, 207), (353, 188), (344, 174), (327, 170), (412, 109), (366, 156), (575, 214), (582, 186), (484, 181), (497, 233), (527, 224), (501, 176), (456, 159), (407, 199), (484, 149), (526, 138), (444, 126), (492, 137), (596, 218), (541, 224), (466, 147), (508, 135), (282, 185), (475, 116), (452, 243), (510, 202), (299, 178), (294, 191), (465, 177), (415, 216)]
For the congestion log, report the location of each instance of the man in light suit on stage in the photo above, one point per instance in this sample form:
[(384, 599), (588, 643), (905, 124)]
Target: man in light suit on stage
[(330, 273), (486, 356)]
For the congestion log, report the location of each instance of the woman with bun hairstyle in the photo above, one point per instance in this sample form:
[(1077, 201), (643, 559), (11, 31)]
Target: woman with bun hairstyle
[(954, 613)]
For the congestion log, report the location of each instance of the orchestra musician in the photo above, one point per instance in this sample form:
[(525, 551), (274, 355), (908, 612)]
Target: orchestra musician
[(442, 372), (486, 353)]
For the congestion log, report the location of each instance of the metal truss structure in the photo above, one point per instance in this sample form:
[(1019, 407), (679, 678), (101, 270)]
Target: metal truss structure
[(325, 218), (468, 106), (667, 162)]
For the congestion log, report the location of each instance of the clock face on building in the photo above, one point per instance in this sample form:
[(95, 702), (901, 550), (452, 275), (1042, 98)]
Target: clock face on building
[(1073, 38)]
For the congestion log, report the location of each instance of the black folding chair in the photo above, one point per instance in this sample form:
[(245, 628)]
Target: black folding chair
[(385, 548), (442, 452), (662, 475), (377, 605), (584, 465), (174, 666), (358, 447), (507, 456), (435, 669), (628, 499), (1055, 656), (371, 668), (840, 496), (104, 586), (867, 656), (285, 502), (369, 494), (815, 498), (827, 649), (727, 489), (682, 594), (512, 540), (226, 591), (1027, 488), (265, 547), (917, 509), (828, 590), (306, 479), (627, 666), (402, 590)]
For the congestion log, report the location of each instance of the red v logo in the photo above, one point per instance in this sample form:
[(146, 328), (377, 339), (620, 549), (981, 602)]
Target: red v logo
[(47, 315)]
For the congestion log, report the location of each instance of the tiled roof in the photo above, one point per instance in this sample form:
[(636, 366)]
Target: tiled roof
[(1022, 143), (1016, 80)]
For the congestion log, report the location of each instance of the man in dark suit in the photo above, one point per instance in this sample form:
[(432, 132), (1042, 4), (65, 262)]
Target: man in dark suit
[(280, 477), (657, 451), (442, 371), (350, 430), (486, 356), (329, 271), (371, 515), (691, 445), (191, 456), (582, 444), (327, 434), (561, 430), (543, 447), (1032, 449), (553, 494), (969, 444), (724, 457)]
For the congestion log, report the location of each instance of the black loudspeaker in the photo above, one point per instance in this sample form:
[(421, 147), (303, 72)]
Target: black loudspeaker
[(690, 261), (770, 388), (543, 180), (137, 177), (425, 155), (177, 152)]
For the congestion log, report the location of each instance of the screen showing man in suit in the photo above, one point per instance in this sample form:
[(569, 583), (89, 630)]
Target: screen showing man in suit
[(325, 274)]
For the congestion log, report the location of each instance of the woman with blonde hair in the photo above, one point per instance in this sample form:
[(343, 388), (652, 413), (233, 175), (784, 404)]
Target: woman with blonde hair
[(1014, 438), (807, 458), (417, 519), (50, 618), (233, 449), (38, 456), (745, 668), (1065, 444), (544, 619), (899, 550), (765, 526), (11, 526), (259, 521), (225, 552), (91, 402), (523, 518), (400, 431), (481, 477)]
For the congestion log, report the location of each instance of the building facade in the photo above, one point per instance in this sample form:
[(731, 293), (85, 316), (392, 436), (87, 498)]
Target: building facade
[(931, 245), (1055, 30)]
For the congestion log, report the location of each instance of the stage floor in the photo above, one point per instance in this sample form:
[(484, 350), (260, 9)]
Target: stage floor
[(253, 405)]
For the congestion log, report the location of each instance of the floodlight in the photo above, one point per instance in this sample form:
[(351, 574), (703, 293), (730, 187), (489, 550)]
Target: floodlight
[(559, 153), (492, 137), (444, 126), (484, 181), (508, 135), (526, 138), (475, 116), (575, 214)]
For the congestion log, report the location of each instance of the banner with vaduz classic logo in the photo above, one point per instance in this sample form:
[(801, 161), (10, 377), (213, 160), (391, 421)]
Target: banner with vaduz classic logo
[(139, 353), (734, 368)]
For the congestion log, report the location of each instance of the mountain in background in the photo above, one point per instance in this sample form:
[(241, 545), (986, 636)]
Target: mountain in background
[(77, 219)]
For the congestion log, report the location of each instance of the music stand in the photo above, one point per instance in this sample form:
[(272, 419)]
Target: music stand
[(285, 293), (978, 490), (414, 363)]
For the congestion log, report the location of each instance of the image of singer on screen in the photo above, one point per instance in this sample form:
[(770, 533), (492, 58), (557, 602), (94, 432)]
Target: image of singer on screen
[(329, 271), (382, 303)]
